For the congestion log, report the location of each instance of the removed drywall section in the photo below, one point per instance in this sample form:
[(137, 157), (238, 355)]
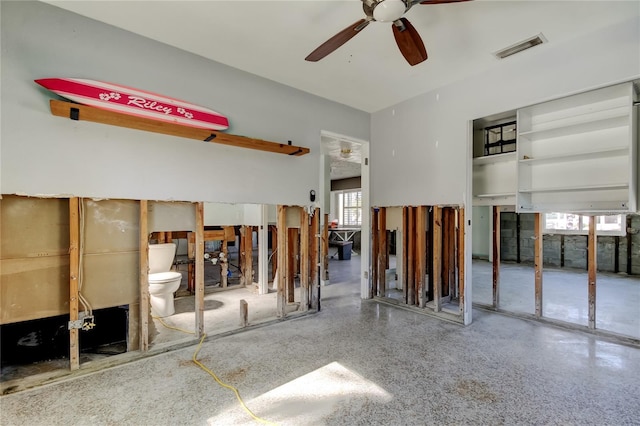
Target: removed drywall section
[(34, 261)]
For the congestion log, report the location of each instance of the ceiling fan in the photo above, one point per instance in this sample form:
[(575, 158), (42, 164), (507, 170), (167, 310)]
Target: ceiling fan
[(407, 38)]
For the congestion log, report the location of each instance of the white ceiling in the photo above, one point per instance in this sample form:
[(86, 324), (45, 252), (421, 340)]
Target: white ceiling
[(272, 38)]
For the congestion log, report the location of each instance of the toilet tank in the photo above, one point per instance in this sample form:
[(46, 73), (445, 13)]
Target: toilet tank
[(161, 257)]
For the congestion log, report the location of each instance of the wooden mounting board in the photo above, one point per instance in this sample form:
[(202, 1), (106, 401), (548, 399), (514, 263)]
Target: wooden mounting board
[(96, 115)]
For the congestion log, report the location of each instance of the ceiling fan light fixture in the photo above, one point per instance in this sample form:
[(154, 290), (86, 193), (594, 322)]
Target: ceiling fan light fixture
[(345, 152), (389, 10)]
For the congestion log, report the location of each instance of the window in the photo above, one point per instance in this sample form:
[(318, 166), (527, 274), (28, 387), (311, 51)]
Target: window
[(351, 208), (568, 223), (500, 138)]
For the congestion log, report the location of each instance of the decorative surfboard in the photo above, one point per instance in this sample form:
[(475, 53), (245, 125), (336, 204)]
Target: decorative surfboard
[(128, 100)]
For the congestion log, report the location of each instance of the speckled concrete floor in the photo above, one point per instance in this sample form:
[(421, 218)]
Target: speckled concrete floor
[(360, 362)]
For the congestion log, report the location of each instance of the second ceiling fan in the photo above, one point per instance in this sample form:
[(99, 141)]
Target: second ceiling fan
[(407, 38)]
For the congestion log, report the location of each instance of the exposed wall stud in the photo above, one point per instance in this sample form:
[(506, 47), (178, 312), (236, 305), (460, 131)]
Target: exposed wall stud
[(420, 255), (304, 259), (325, 249), (315, 258), (383, 252), (144, 276), (282, 262), (592, 257), (404, 260), (74, 276), (199, 266), (437, 258), (461, 259), (411, 251), (248, 255), (292, 241), (375, 252), (496, 257), (537, 262)]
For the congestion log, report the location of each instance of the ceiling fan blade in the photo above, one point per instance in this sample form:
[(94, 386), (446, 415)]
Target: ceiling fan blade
[(441, 1), (337, 40), (409, 42)]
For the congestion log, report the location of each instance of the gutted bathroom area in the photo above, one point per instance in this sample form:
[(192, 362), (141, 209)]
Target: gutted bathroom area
[(88, 282)]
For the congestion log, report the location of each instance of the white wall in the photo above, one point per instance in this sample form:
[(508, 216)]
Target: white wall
[(419, 148), (47, 155)]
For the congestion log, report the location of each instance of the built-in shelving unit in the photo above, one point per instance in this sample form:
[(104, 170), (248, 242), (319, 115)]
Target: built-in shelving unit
[(578, 153), (96, 115), (494, 179)]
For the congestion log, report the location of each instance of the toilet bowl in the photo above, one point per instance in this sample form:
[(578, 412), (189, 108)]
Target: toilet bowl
[(162, 281)]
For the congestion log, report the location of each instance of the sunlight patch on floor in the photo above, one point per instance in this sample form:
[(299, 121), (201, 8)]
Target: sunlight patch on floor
[(309, 398)]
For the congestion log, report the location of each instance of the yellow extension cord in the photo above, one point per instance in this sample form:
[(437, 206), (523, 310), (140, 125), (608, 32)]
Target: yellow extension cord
[(212, 374)]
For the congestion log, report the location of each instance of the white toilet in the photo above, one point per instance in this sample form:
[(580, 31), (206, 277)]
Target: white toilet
[(162, 281)]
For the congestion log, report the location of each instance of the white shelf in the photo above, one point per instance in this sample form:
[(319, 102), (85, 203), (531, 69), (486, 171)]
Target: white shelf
[(587, 155), (578, 153), (493, 159), (603, 123), (576, 188), (499, 195)]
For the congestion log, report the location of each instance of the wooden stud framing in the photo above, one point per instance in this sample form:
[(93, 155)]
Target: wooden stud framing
[(496, 256), (446, 251), (282, 262), (451, 253), (461, 258), (144, 276), (199, 266), (383, 251), (537, 262), (242, 256), (325, 248), (74, 274), (375, 252), (292, 240), (315, 260), (248, 255), (274, 249), (304, 259), (437, 258), (410, 256), (405, 240), (224, 265), (96, 115), (421, 255), (592, 261), (430, 243)]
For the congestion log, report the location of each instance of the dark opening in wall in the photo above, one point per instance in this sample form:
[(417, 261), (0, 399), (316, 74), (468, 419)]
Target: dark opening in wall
[(47, 339)]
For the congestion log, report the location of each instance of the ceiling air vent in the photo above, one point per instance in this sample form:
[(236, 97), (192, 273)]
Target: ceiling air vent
[(520, 46)]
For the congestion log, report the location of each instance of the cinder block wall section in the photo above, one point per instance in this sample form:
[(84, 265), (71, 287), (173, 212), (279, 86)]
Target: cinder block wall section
[(569, 251)]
